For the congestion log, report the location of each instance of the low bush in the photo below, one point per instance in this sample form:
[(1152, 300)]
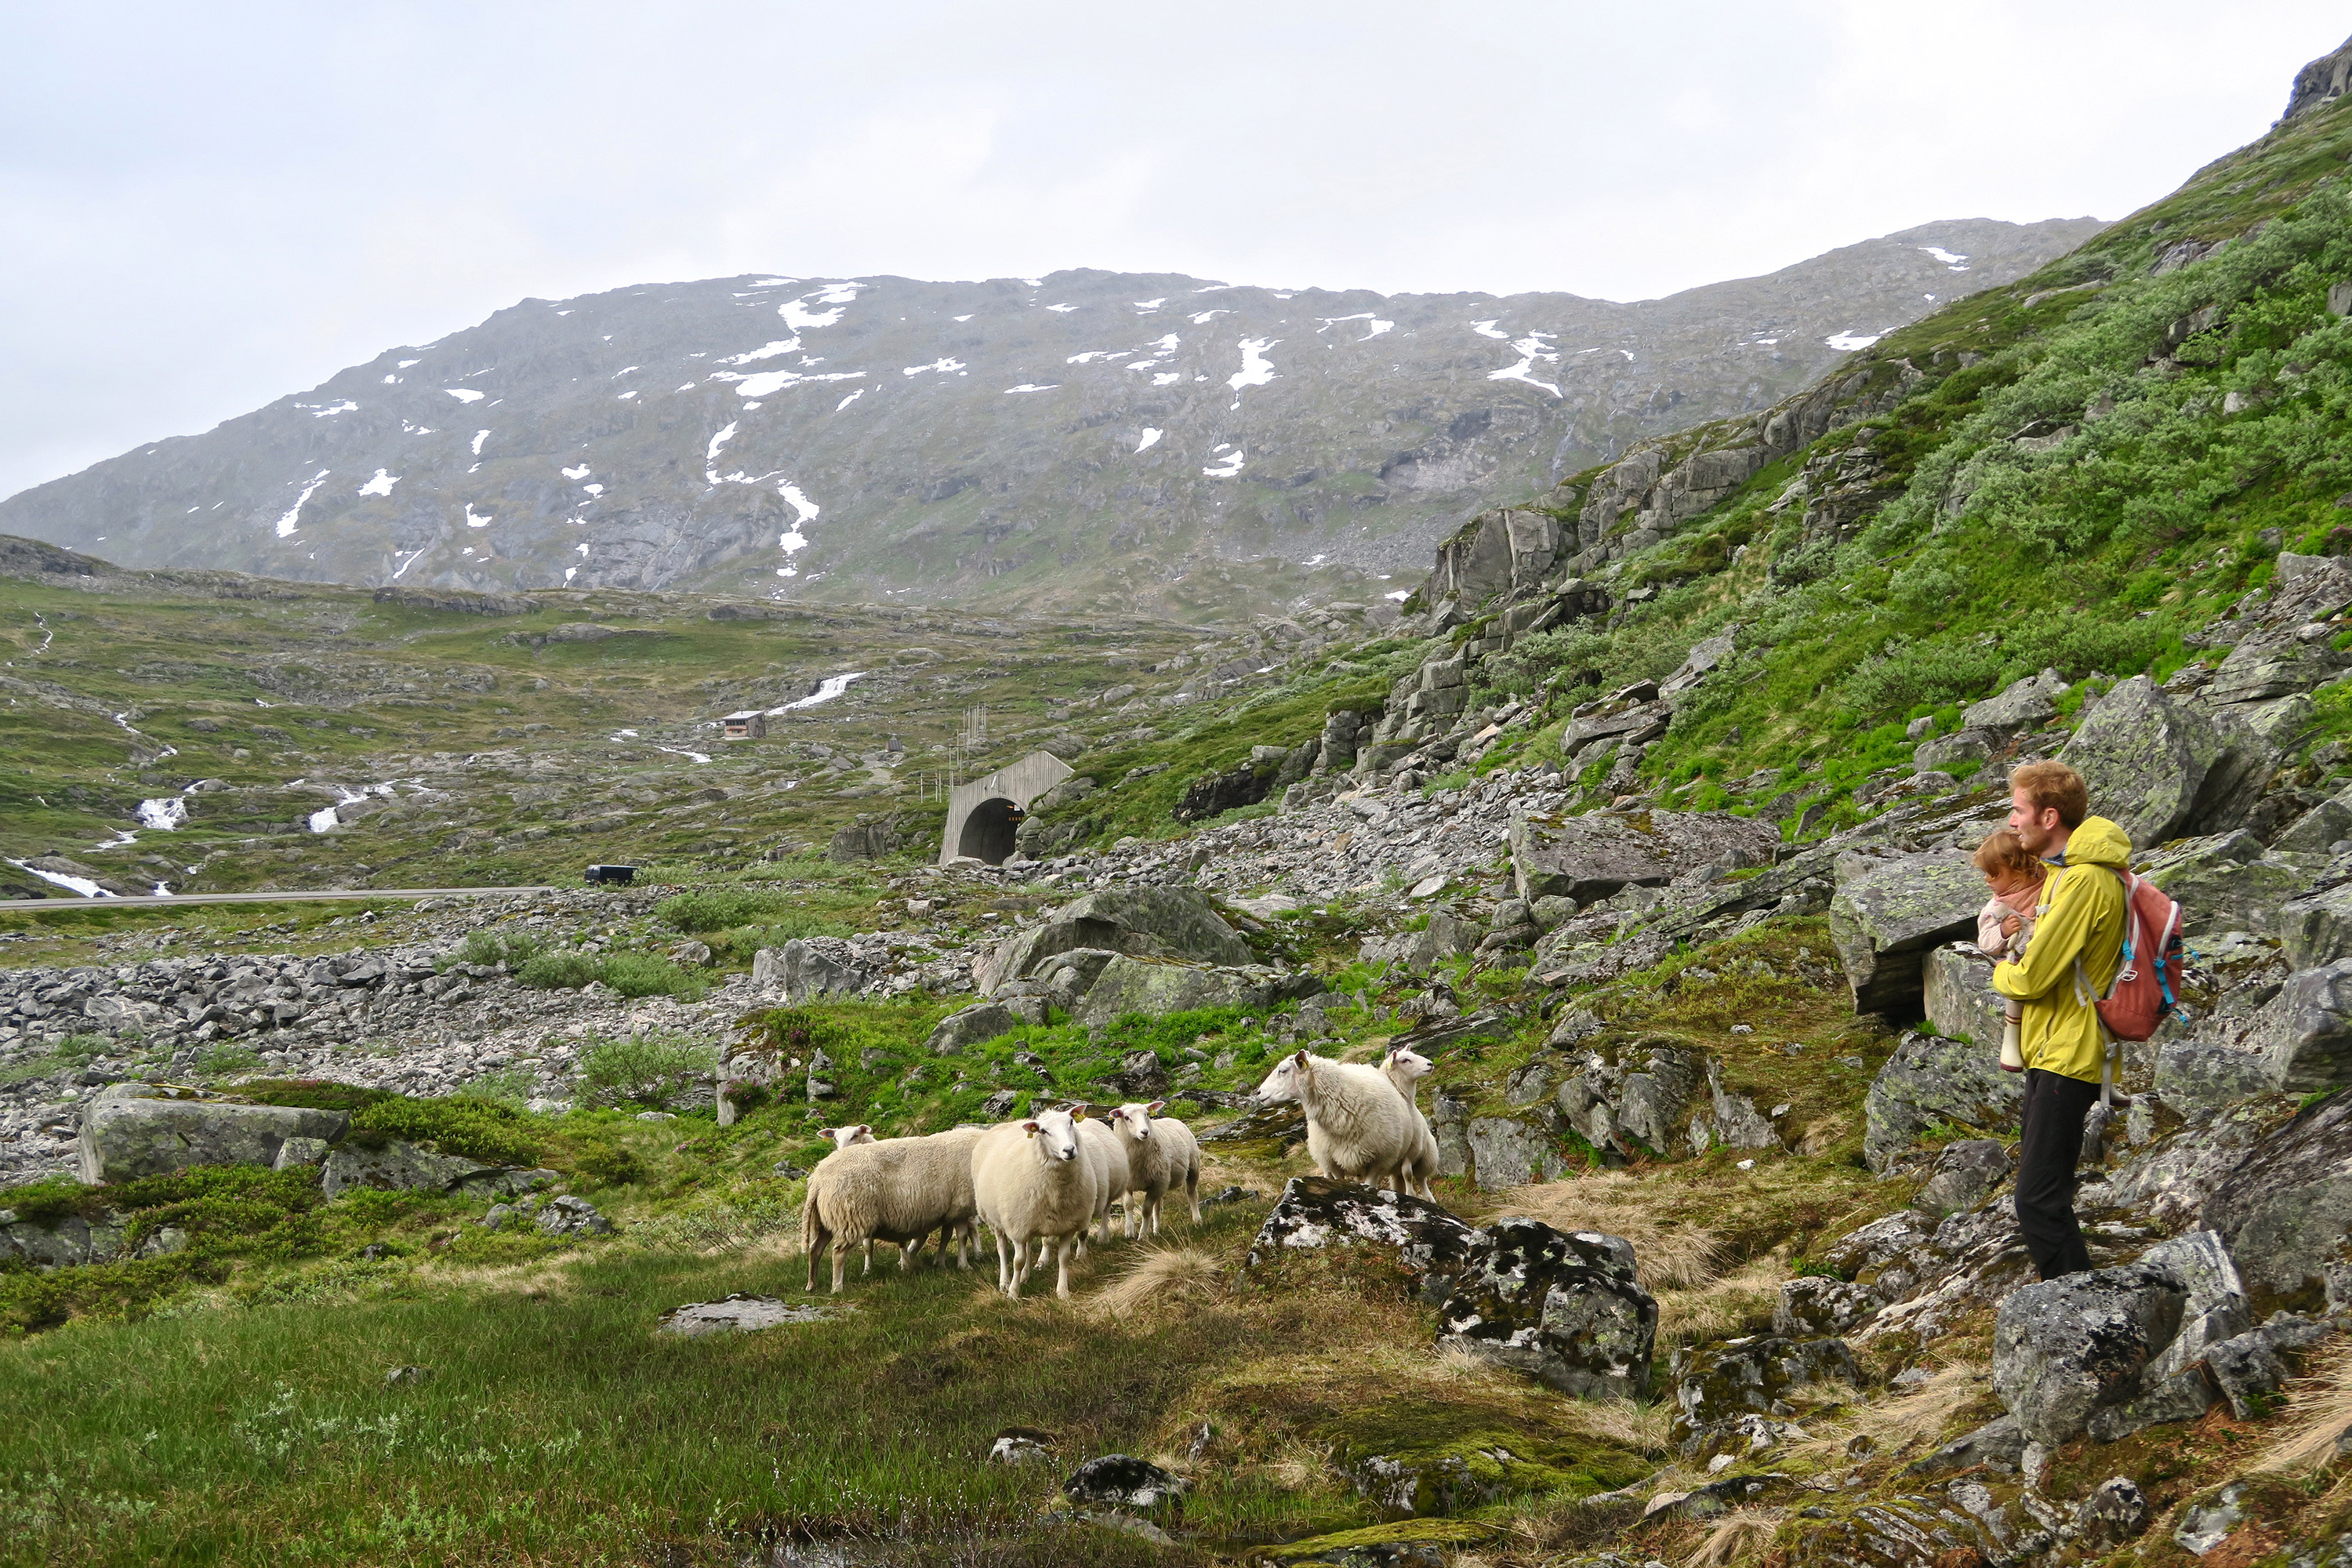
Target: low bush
[(512, 948), (644, 975), (647, 1070), (564, 971), (474, 1129), (718, 908)]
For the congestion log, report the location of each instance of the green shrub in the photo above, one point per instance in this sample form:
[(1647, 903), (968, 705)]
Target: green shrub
[(607, 1163), (561, 971), (644, 975), (512, 948), (647, 1069), (474, 1129), (717, 909), (312, 1094), (227, 1061)]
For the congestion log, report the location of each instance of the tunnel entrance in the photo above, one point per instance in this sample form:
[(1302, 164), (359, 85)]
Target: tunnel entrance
[(988, 831)]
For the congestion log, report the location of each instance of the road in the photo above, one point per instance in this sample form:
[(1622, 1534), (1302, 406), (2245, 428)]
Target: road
[(304, 897)]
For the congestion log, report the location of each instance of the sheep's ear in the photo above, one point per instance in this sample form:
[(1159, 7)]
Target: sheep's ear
[(1079, 1114), (1155, 1108), (1301, 1057), (824, 1131), (866, 1127), (1031, 1128)]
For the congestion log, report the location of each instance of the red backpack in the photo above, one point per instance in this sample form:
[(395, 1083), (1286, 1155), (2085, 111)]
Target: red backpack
[(2142, 995)]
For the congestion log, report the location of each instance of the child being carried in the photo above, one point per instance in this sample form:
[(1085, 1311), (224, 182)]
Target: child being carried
[(2016, 878)]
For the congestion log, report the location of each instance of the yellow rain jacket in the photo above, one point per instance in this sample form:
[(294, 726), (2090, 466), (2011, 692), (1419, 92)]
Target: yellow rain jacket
[(2081, 917)]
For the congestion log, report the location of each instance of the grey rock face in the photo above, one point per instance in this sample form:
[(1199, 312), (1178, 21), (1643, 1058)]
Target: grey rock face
[(1997, 1445), (1143, 923), (1131, 986), (2285, 1212), (2318, 829), (819, 966), (1641, 1098), (1956, 752), (570, 1216), (2229, 882), (1562, 1307), (1929, 1081), (2063, 1349), (1122, 1480), (1316, 1212), (1511, 1152), (403, 1167), (2022, 705), (1965, 1175), (1589, 856), (2194, 1079), (982, 1021), (2115, 1512), (1751, 1376), (1959, 1000), (2160, 767), (1812, 1306), (131, 1130), (1887, 916), (2314, 929), (2305, 1031)]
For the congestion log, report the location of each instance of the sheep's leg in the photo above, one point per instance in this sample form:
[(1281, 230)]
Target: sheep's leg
[(816, 1244), (1062, 1280), (869, 1255), (1004, 1263), (841, 1245), (1193, 1192)]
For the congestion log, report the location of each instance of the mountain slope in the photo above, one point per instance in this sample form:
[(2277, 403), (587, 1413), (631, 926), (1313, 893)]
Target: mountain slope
[(1106, 438)]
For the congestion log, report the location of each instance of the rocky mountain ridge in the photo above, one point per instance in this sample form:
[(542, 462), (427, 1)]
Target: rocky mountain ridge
[(1094, 438)]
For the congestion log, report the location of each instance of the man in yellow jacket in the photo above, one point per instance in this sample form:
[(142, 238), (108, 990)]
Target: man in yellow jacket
[(2069, 965)]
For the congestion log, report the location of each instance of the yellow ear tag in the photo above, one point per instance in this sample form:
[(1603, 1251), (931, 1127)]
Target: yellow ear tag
[(1031, 1134), (1081, 1116)]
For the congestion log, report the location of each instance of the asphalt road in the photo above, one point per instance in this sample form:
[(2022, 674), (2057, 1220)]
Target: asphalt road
[(67, 901)]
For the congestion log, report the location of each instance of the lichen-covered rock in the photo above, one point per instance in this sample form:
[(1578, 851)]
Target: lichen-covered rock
[(1887, 916), (132, 1130), (1964, 1173), (2307, 1029), (1167, 922), (1997, 1445), (2314, 929), (1134, 985), (2063, 1349), (396, 1166), (1593, 855), (2115, 1512), (1316, 1213), (2229, 881), (1959, 1000), (1420, 1485), (1815, 1306), (1563, 1306), (2020, 705), (1752, 1376), (1511, 1152), (1635, 1098), (982, 1021), (2196, 1080), (2160, 767), (1907, 1531), (570, 1216), (2285, 1212), (1122, 1480), (1930, 1081)]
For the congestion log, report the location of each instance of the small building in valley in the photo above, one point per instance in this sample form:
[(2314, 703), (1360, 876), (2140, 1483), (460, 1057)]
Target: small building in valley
[(983, 814), (751, 724)]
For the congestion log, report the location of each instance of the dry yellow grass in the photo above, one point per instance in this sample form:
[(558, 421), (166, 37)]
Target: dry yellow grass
[(1737, 1537), (1892, 1423), (2319, 1407), (1639, 1427), (1720, 1308), (1668, 1254), (1160, 1277)]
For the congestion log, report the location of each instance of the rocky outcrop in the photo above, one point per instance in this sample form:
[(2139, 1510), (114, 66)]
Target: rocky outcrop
[(1887, 916), (1167, 922), (1931, 1081), (1564, 1308), (2285, 1212), (1316, 1213), (132, 1130), (1958, 997), (1750, 1377), (390, 1165), (1589, 856), (2064, 1349), (2161, 767)]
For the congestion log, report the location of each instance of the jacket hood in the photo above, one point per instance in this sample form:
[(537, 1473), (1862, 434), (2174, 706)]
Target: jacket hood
[(2099, 842)]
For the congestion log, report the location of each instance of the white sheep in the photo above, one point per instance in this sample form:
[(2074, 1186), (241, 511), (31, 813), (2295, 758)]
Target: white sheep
[(1405, 1068), (842, 1138), (1359, 1128), (1035, 1186), (1161, 1152), (1109, 1154), (896, 1190)]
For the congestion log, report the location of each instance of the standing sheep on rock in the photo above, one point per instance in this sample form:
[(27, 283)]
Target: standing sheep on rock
[(1359, 1128), (1405, 1068), (1161, 1152), (1035, 1186), (898, 1190)]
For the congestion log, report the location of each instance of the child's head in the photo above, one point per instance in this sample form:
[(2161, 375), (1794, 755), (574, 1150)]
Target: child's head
[(2007, 863)]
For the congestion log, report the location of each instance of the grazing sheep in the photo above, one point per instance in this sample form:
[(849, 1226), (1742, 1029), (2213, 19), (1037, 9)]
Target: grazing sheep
[(1359, 1128), (1109, 1152), (1035, 1186), (896, 1190), (1161, 1152), (1405, 1068)]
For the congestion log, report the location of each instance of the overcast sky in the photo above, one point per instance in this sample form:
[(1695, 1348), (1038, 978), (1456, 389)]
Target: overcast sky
[(208, 206)]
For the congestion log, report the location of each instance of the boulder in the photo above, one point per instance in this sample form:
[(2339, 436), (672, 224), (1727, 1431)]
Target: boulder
[(1958, 753), (1511, 1152), (808, 967), (2026, 704), (2064, 1349), (2314, 930), (1143, 923), (1593, 855), (982, 1021), (2285, 1212), (1122, 1480), (1751, 1375), (1885, 916), (2161, 767), (1965, 1175), (1997, 1445), (570, 1216), (395, 1166), (1959, 1000), (1638, 1099), (1814, 1305), (131, 1130), (2196, 1080), (1562, 1307), (2320, 829), (2306, 1030), (2228, 881), (2115, 1512), (1315, 1211), (1128, 986), (1930, 1081)]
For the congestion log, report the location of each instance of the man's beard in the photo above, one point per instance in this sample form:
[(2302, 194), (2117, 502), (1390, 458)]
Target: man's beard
[(2036, 837)]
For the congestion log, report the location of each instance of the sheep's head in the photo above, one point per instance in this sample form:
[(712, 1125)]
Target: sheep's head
[(1132, 1120), (1408, 1063), (843, 1137), (1056, 1133), (1282, 1083)]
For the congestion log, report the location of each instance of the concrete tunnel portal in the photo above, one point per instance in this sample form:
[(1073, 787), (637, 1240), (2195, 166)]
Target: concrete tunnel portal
[(984, 815)]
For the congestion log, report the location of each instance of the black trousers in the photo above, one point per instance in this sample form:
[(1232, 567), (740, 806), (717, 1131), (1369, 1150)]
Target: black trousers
[(2047, 1153)]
